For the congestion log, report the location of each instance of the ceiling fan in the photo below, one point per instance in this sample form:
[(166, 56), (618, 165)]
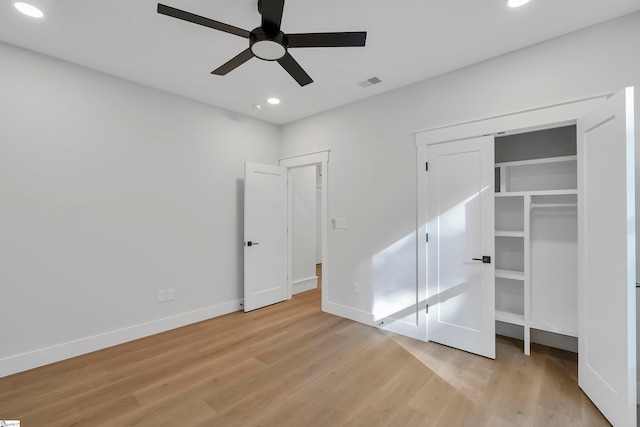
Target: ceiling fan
[(268, 42)]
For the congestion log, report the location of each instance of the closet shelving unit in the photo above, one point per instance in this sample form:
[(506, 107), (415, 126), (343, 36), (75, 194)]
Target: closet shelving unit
[(536, 245)]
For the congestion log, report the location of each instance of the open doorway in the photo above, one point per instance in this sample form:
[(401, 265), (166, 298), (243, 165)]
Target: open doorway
[(307, 223), (305, 238)]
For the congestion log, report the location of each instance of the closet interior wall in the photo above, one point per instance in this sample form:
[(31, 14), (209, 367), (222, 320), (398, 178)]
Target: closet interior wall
[(536, 237)]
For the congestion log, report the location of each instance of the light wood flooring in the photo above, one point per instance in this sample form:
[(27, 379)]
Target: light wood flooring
[(292, 365)]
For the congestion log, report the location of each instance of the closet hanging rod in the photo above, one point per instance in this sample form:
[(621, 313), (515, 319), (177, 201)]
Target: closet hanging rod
[(553, 205)]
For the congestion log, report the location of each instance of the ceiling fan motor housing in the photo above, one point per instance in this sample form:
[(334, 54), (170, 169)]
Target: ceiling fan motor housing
[(269, 46)]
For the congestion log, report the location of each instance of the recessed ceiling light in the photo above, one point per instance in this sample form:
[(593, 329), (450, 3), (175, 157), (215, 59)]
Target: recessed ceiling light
[(517, 3), (273, 101), (29, 10), (257, 106)]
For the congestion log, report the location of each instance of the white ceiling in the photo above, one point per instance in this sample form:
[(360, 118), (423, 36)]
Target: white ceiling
[(408, 41)]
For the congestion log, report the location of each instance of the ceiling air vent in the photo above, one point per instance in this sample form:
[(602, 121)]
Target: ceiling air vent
[(370, 82)]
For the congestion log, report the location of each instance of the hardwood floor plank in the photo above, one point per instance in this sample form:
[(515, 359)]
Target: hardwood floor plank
[(95, 413), (295, 370), (390, 407), (560, 394), (433, 398), (463, 412), (495, 421), (550, 418), (344, 388), (292, 365), (201, 380), (407, 417), (183, 412)]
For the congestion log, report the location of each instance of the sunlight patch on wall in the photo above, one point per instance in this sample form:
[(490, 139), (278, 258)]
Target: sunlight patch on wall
[(394, 281)]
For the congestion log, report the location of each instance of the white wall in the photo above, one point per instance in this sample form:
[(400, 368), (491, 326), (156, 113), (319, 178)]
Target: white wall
[(303, 236), (373, 170), (110, 191)]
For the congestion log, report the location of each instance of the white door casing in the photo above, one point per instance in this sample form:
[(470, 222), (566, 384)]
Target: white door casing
[(265, 235), (318, 225), (460, 226), (320, 159), (606, 259)]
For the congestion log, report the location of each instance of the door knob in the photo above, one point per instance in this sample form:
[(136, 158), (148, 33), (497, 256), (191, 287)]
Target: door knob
[(485, 259)]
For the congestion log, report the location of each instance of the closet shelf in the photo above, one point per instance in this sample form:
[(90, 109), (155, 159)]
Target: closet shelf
[(509, 317), (503, 233), (539, 161), (537, 193), (510, 274), (553, 205)]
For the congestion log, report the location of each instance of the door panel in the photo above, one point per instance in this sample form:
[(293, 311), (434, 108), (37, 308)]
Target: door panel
[(460, 224), (606, 262), (265, 227)]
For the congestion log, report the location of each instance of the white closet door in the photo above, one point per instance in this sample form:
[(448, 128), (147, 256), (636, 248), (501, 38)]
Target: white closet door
[(265, 234), (606, 260), (460, 224)]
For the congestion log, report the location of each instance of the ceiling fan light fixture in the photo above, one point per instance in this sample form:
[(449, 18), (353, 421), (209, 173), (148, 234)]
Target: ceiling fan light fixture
[(269, 47), (268, 50), (517, 3), (28, 10)]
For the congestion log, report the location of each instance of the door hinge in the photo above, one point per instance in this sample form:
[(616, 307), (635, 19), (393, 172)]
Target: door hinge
[(427, 308), (426, 166), (427, 237)]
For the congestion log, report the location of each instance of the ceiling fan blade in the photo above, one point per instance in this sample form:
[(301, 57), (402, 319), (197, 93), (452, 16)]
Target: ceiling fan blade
[(271, 11), (293, 68), (233, 63), (347, 39), (201, 20)]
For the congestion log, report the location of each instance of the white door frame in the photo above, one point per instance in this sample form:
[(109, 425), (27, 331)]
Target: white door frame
[(312, 159), (543, 117)]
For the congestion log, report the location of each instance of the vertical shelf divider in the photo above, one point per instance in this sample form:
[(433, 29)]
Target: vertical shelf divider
[(527, 274)]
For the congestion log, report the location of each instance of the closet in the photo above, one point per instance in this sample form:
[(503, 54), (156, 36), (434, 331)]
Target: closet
[(536, 231), (529, 219)]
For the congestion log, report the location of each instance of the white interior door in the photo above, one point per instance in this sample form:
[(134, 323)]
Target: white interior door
[(265, 235), (606, 260), (460, 226)]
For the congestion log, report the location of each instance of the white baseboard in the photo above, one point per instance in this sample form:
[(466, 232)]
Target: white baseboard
[(304, 285), (56, 353), (348, 313)]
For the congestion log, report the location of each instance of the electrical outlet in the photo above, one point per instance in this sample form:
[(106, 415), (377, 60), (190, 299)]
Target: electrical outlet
[(170, 295), (162, 296), (356, 288)]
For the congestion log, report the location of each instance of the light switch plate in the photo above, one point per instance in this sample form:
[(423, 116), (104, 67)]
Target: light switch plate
[(342, 223)]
